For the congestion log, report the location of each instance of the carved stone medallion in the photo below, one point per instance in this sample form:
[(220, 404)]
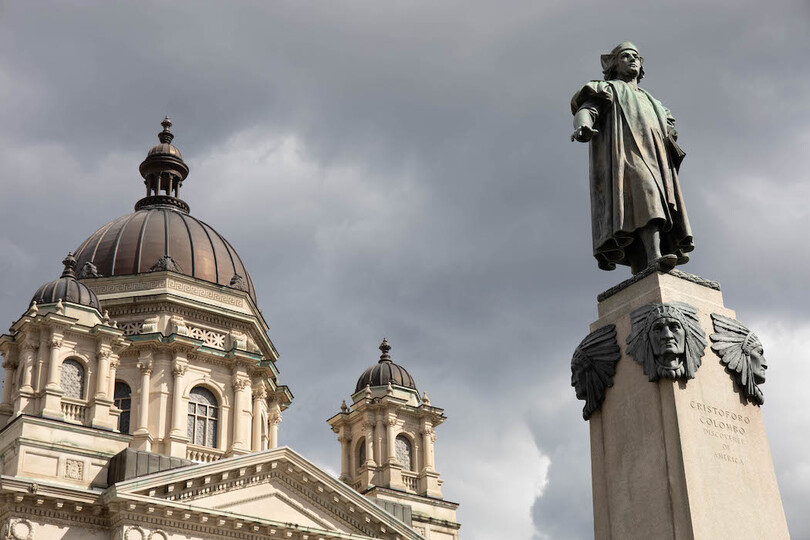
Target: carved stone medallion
[(593, 366), (742, 353), (667, 340)]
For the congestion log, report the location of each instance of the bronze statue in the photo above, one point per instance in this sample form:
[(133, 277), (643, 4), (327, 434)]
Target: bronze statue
[(637, 210)]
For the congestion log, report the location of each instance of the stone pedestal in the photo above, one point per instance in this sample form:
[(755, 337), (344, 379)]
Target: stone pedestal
[(683, 459)]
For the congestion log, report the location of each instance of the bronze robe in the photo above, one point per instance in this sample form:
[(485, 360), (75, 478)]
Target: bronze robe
[(633, 176)]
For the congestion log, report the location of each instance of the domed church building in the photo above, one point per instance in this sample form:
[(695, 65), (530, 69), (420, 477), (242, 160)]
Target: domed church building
[(142, 401)]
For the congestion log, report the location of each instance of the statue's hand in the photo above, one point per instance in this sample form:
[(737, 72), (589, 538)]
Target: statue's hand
[(584, 134)]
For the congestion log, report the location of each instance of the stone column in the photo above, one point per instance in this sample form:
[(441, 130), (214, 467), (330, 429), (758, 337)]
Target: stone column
[(102, 385), (10, 367), (240, 396), (390, 435), (274, 419), (10, 371), (52, 404), (114, 363), (258, 399), (369, 429), (379, 435), (42, 362), (102, 400), (179, 412), (27, 365), (142, 438), (428, 436), (177, 441), (345, 439), (53, 365)]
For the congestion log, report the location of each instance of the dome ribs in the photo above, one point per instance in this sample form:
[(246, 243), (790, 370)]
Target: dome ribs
[(193, 268), (105, 246), (180, 247), (153, 243), (140, 241), (127, 248), (118, 241)]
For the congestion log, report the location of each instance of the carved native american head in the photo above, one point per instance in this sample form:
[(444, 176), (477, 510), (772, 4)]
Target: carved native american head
[(667, 340), (742, 353)]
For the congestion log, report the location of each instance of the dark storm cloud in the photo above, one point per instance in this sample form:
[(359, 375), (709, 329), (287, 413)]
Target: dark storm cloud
[(403, 169)]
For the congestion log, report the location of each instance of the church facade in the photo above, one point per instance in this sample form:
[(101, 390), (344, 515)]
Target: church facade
[(141, 401)]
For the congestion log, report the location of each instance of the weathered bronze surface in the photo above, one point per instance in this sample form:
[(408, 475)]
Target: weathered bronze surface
[(637, 209), (593, 366), (667, 340), (742, 353)]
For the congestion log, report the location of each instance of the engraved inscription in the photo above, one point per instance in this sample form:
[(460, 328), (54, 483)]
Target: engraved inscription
[(728, 427)]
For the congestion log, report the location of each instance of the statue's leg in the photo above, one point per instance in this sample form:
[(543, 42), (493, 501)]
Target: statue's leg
[(650, 236)]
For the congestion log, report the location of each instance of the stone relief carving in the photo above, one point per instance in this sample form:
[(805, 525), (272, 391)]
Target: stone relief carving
[(17, 529), (667, 340), (593, 366), (166, 262), (134, 533), (238, 282), (74, 469), (89, 270), (742, 353), (150, 325)]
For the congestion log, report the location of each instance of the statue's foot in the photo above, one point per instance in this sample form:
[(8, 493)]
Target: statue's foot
[(666, 263)]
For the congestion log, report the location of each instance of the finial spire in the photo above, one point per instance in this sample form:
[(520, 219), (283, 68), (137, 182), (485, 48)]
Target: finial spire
[(166, 135), (385, 347), (70, 265)]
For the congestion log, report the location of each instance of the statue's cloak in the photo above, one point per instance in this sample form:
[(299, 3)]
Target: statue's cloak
[(633, 173)]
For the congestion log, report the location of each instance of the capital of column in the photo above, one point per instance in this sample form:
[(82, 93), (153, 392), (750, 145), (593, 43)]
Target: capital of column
[(10, 364), (55, 342), (145, 367), (179, 370), (115, 363), (239, 383)]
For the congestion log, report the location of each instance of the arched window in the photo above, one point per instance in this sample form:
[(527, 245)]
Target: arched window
[(361, 452), (72, 379), (404, 454), (203, 415), (123, 400)]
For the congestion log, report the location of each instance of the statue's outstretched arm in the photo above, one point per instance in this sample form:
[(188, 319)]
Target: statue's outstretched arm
[(584, 120)]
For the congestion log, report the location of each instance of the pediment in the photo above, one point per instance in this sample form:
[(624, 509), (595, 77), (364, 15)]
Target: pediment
[(271, 487)]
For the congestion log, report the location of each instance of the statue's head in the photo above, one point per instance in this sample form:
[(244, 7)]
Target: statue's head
[(742, 353), (624, 58), (667, 340)]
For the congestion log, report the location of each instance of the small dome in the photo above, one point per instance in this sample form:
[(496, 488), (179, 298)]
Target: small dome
[(67, 289), (384, 372), (164, 149)]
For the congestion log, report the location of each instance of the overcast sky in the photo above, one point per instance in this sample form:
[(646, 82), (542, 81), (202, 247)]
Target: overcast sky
[(403, 169)]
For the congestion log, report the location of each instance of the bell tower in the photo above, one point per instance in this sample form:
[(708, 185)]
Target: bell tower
[(387, 438)]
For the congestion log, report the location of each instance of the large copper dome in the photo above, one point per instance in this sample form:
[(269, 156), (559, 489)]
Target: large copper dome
[(160, 234), (136, 243)]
